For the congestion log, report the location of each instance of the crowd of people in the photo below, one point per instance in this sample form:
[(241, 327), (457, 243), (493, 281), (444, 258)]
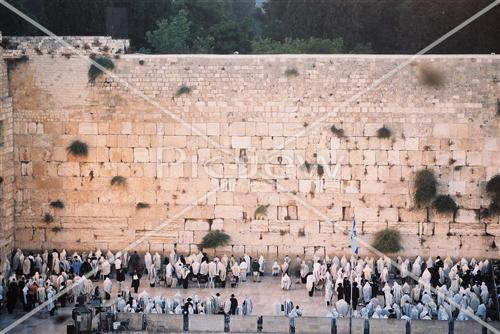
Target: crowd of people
[(403, 289)]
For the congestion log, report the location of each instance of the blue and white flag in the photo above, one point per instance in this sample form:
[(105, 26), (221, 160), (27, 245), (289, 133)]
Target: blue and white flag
[(354, 237)]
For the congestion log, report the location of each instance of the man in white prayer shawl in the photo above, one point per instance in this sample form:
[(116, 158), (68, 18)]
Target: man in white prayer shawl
[(243, 270), (247, 260), (195, 268), (484, 293), (367, 292), (157, 261), (107, 286), (275, 269), (246, 306), (481, 311), (286, 282), (388, 295), (367, 272), (328, 291), (262, 266), (342, 308), (148, 260), (235, 269), (397, 292), (384, 276)]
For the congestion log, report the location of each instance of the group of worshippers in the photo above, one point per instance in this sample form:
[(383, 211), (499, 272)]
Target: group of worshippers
[(427, 289), (214, 304), (36, 279)]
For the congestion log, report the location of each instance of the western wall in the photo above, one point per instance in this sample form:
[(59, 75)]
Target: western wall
[(247, 158)]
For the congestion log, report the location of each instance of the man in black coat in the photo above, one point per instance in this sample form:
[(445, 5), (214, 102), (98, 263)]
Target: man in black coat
[(12, 295), (234, 305), (355, 295)]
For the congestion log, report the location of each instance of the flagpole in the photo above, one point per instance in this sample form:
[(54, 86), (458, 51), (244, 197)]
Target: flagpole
[(350, 302)]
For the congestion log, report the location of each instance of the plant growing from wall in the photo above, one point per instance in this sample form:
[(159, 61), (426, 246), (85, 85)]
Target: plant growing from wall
[(118, 181), (425, 187), (498, 107), (320, 170), (215, 239), (95, 72), (291, 72), (261, 211), (493, 191), (57, 229), (142, 205), (430, 76), (444, 204), (183, 90), (48, 218), (57, 204), (301, 233), (78, 148), (384, 132), (387, 241), (337, 131), (307, 166)]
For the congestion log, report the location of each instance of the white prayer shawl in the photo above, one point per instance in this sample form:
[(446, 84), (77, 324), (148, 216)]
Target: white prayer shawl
[(152, 274), (426, 277), (148, 260), (107, 285), (26, 266), (212, 269), (204, 268), (285, 282), (367, 271), (310, 283), (236, 269), (416, 268), (430, 263), (247, 260), (481, 311), (157, 261), (243, 271), (384, 276), (342, 308), (105, 268), (343, 262), (284, 267), (388, 295), (275, 268), (261, 264), (367, 292), (484, 293), (328, 291), (380, 265), (397, 293), (195, 268), (247, 306)]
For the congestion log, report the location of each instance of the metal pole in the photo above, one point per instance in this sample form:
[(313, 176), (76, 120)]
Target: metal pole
[(408, 327), (451, 327), (350, 302), (366, 327)]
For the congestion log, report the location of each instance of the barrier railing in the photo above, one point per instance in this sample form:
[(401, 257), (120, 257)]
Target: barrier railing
[(274, 324)]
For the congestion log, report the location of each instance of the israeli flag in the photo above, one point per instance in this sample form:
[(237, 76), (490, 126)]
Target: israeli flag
[(354, 237)]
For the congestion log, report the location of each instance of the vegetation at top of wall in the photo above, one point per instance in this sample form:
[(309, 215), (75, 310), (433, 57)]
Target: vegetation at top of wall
[(95, 72), (261, 210), (291, 72), (337, 131), (57, 204), (444, 204), (215, 239), (384, 132), (430, 76), (183, 90), (118, 181), (298, 46), (142, 205), (425, 187), (78, 148), (387, 241), (48, 218)]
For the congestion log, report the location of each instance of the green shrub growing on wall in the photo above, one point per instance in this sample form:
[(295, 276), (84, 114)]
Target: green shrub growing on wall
[(57, 204), (95, 72), (384, 132), (425, 187), (260, 211), (78, 148), (142, 205), (215, 239), (118, 181), (337, 131), (48, 218), (444, 204), (493, 190), (430, 76), (387, 241), (291, 72), (183, 90)]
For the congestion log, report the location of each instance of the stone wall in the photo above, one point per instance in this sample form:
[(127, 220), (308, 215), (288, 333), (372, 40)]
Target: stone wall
[(6, 164), (253, 127)]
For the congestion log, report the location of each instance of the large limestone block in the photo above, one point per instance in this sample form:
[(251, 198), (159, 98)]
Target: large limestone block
[(466, 216), (228, 211)]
